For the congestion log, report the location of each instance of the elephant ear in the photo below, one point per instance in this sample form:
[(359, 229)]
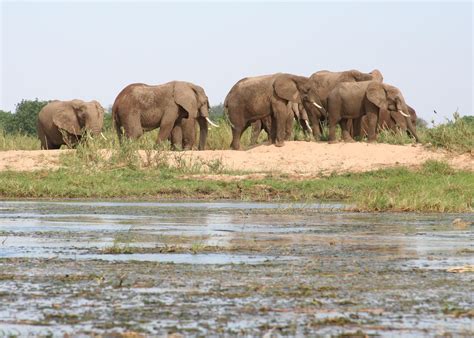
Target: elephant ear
[(185, 97), (377, 95), (66, 118), (286, 88), (202, 100)]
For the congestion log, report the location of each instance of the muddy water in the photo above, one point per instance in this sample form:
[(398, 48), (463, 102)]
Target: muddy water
[(231, 269)]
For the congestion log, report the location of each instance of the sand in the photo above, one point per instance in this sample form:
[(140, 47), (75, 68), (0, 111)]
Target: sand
[(298, 158)]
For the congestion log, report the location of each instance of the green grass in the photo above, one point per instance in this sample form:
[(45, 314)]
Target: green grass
[(434, 188), (18, 141), (455, 135)]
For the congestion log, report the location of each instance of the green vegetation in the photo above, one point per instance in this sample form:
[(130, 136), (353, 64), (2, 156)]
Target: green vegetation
[(23, 121), (101, 168), (435, 187), (18, 131), (456, 135)]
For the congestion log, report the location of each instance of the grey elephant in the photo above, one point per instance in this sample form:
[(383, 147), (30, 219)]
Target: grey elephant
[(255, 98), (294, 109), (352, 100), (65, 122), (388, 120), (140, 107), (326, 81)]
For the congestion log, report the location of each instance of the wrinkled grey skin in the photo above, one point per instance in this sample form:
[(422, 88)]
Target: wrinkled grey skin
[(140, 107), (387, 121), (183, 135), (326, 81), (255, 98), (64, 122), (352, 100), (294, 109)]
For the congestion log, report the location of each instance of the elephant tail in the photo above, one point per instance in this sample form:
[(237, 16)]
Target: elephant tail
[(226, 113), (116, 121)]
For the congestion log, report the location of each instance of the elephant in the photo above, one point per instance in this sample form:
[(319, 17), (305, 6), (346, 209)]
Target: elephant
[(352, 100), (294, 109), (183, 134), (65, 122), (326, 81), (140, 107), (254, 98), (389, 121)]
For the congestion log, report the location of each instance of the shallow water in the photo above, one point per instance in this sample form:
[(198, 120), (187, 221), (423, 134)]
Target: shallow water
[(201, 268)]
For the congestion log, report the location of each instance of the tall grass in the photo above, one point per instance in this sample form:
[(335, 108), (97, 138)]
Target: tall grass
[(454, 135), (18, 141)]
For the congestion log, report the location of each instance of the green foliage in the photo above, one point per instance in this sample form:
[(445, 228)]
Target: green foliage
[(18, 141), (24, 119), (455, 135), (434, 188), (217, 111)]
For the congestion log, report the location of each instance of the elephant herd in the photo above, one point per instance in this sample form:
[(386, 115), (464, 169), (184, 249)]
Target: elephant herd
[(361, 103)]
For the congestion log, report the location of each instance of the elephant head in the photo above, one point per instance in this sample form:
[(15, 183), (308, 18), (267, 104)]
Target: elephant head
[(193, 100), (376, 75), (77, 116), (390, 100), (301, 90)]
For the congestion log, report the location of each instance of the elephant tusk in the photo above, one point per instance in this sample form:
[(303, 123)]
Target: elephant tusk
[(308, 126), (406, 115), (211, 123), (103, 136), (317, 105)]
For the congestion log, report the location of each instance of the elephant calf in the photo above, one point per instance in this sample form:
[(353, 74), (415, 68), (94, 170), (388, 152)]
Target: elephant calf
[(174, 107), (64, 122)]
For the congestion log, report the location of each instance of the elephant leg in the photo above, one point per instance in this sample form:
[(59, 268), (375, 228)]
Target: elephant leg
[(132, 126), (346, 136), (256, 130), (237, 132), (372, 126), (189, 133), (176, 137), (267, 126), (289, 127), (168, 121), (333, 120), (280, 114)]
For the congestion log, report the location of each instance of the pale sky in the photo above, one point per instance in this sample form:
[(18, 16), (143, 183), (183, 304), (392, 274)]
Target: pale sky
[(91, 50)]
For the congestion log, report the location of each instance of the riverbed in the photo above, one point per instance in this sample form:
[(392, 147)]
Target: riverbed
[(231, 268)]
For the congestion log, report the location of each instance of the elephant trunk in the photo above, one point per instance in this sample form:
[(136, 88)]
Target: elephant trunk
[(412, 129), (203, 128)]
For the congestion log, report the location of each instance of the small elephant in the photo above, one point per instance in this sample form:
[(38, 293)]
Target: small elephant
[(255, 98), (294, 109), (326, 81), (352, 100), (140, 107), (64, 122)]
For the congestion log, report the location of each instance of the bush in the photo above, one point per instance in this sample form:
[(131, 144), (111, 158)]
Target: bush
[(24, 119), (455, 135)]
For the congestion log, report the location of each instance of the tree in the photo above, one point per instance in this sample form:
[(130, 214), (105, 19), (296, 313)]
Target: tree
[(216, 111), (26, 115)]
